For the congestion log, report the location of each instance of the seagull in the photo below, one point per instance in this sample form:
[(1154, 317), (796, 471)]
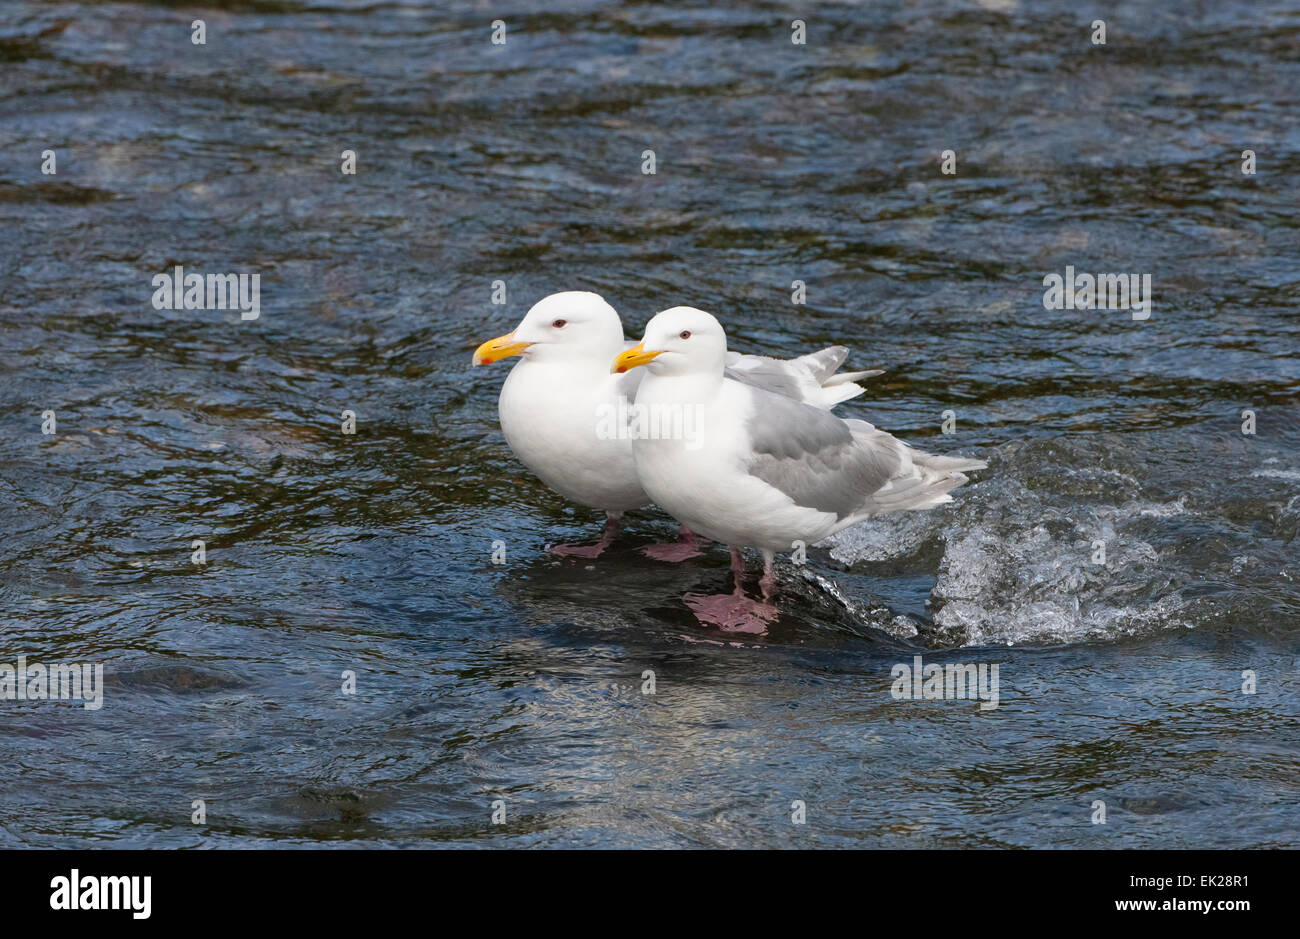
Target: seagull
[(570, 421), (768, 471)]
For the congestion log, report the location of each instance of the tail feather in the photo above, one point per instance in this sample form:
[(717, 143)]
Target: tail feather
[(809, 378), (924, 479), (947, 464), (833, 394), (840, 378), (836, 386), (823, 363), (923, 490)]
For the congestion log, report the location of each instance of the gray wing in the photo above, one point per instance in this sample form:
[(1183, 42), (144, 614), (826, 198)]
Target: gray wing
[(809, 378), (815, 458), (847, 467), (761, 372), (823, 363)]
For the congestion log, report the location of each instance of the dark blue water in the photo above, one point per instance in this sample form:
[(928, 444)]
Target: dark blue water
[(371, 553)]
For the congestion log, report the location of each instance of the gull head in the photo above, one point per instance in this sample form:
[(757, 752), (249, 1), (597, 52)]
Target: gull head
[(573, 327), (679, 341)]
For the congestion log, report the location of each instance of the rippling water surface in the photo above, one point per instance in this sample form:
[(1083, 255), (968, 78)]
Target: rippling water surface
[(522, 163)]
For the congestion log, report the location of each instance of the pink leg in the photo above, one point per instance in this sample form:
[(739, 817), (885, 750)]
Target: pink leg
[(767, 583), (733, 612), (594, 550), (738, 571), (688, 546)]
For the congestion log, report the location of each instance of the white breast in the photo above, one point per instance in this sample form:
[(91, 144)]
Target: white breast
[(553, 419), (707, 487)]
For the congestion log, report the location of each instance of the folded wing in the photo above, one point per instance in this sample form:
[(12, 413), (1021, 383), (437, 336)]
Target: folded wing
[(810, 378), (848, 467)]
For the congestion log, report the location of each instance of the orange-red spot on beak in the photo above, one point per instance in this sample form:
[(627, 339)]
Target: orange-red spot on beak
[(502, 347)]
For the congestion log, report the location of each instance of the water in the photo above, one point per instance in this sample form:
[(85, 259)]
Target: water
[(371, 553)]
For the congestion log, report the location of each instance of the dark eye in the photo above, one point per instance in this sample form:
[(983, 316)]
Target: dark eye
[(559, 324), (685, 334)]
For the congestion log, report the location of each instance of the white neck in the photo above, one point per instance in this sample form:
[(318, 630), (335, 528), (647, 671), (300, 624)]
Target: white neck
[(694, 388)]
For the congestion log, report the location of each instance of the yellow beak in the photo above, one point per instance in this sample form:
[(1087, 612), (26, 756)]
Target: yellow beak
[(502, 347), (633, 357)]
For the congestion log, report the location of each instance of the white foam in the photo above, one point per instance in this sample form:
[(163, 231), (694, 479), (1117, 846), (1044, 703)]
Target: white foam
[(1019, 552), (1277, 473)]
